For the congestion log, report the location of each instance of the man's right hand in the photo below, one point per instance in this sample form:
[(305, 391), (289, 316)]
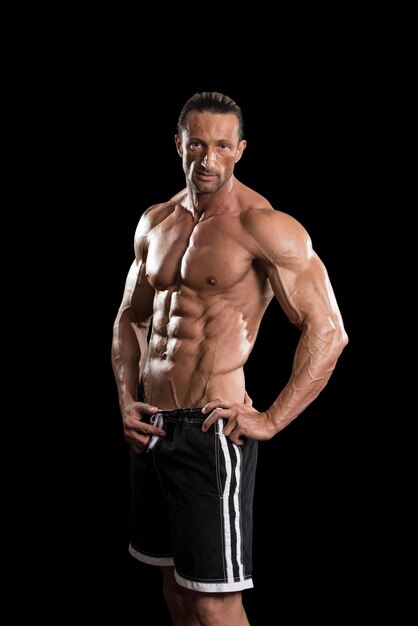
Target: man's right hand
[(137, 432)]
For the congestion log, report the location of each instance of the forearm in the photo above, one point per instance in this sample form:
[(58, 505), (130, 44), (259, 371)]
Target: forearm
[(126, 376), (315, 358), (129, 349)]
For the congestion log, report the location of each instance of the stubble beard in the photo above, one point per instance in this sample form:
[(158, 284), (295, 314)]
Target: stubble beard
[(209, 187)]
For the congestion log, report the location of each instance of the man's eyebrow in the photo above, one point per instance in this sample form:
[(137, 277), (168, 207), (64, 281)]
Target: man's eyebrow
[(221, 140)]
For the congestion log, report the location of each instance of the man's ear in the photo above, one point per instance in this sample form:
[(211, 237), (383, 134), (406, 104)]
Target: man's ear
[(177, 141), (241, 147)]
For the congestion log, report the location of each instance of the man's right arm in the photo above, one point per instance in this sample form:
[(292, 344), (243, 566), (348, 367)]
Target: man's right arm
[(130, 334)]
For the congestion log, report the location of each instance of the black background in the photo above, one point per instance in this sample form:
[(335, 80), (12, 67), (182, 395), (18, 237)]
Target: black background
[(305, 153)]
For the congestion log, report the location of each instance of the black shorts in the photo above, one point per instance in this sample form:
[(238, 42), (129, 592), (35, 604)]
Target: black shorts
[(192, 503)]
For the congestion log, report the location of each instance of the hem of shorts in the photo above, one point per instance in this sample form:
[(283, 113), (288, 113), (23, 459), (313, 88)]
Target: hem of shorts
[(151, 560), (212, 587)]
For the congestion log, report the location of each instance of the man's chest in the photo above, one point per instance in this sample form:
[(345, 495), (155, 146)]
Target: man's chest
[(208, 255)]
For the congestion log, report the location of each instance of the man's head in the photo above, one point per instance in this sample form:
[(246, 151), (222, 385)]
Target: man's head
[(214, 102), (209, 140)]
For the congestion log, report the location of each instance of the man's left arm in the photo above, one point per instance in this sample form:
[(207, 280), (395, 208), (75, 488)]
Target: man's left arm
[(301, 285), (303, 289)]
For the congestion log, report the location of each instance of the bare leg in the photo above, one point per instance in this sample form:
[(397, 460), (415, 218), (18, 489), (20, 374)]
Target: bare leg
[(179, 600), (192, 608), (220, 609)]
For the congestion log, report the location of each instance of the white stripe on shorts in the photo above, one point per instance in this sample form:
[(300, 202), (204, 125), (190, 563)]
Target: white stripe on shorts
[(226, 504)]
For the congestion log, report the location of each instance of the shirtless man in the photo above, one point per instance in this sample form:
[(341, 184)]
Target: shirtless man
[(207, 264)]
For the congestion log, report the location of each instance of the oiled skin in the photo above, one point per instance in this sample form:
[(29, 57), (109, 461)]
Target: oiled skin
[(207, 264)]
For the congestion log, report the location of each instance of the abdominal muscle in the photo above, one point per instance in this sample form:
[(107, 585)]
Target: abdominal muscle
[(197, 351)]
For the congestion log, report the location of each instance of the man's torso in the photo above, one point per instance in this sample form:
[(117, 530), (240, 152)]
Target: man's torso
[(211, 293)]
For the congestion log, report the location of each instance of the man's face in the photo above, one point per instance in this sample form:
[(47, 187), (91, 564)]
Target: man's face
[(209, 147)]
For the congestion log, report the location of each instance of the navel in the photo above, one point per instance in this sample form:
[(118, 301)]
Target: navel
[(211, 280)]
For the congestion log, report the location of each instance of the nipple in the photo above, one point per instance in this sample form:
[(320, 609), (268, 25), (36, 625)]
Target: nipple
[(211, 280)]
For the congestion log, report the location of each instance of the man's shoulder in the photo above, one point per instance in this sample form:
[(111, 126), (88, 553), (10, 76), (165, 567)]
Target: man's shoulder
[(270, 228), (249, 199), (167, 206), (258, 211), (150, 218), (155, 213), (256, 207)]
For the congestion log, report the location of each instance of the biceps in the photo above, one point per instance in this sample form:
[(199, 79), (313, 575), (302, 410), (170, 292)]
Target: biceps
[(304, 291)]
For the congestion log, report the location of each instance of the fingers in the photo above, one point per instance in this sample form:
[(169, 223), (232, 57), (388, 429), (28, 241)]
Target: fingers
[(218, 409), (134, 415), (216, 404), (239, 418), (140, 436), (217, 413), (137, 409), (148, 430), (230, 428), (138, 433), (237, 440)]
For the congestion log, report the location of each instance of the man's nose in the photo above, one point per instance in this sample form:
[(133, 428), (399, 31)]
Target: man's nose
[(208, 160)]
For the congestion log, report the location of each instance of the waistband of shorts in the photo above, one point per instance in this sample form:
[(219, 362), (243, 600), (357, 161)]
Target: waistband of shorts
[(183, 415)]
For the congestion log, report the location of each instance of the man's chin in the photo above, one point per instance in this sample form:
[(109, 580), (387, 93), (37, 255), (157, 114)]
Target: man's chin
[(203, 188)]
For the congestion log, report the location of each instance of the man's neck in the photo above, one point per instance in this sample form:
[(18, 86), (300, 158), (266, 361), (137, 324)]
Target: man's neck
[(222, 200)]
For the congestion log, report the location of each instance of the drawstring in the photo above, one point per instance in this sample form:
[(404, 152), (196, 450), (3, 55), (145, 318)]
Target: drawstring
[(157, 421)]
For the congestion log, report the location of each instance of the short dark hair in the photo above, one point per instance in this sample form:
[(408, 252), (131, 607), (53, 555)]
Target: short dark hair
[(214, 102)]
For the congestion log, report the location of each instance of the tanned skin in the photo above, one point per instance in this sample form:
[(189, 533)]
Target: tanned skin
[(207, 264)]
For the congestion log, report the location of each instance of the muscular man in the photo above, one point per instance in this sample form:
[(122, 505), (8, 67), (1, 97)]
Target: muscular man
[(207, 264)]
